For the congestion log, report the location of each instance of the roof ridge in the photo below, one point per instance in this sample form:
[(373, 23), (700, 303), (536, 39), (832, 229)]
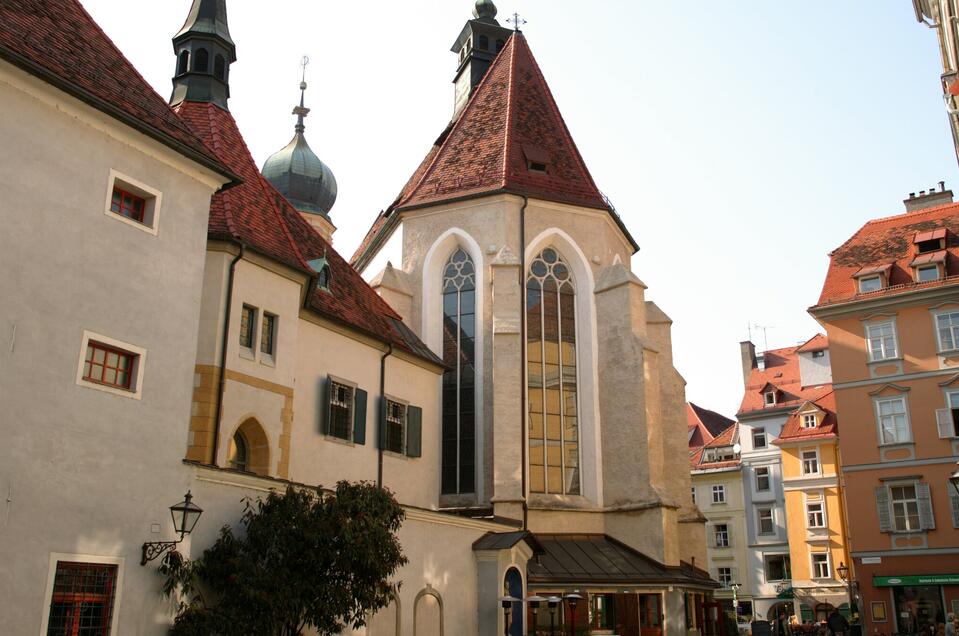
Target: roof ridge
[(509, 105), (936, 208), (217, 143)]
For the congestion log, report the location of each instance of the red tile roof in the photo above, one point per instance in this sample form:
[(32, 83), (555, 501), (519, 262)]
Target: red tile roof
[(819, 342), (58, 41), (782, 372), (703, 425), (793, 430), (510, 119), (256, 215), (727, 438), (890, 241)]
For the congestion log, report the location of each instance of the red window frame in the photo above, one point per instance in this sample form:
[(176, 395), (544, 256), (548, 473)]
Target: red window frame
[(97, 372), (125, 203), (79, 588)]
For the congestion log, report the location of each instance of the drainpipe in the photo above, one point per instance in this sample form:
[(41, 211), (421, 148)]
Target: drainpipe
[(225, 341), (381, 420), (522, 349)]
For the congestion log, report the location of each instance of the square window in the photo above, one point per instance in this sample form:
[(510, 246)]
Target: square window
[(82, 599), (905, 508), (721, 534), (724, 576), (719, 494), (341, 410), (820, 565), (759, 438), (870, 284), (777, 567), (819, 354), (881, 339), (927, 273), (765, 522), (809, 420), (769, 398), (248, 327), (268, 334), (395, 427), (762, 479), (132, 202), (810, 462), (109, 366), (892, 421), (947, 330), (815, 514)]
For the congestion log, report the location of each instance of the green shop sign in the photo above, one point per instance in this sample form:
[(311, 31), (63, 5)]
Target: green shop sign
[(922, 579)]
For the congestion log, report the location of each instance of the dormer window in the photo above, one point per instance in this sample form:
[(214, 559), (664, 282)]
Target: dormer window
[(870, 284), (761, 362), (931, 241), (535, 166), (809, 420), (323, 274), (769, 398), (927, 273), (537, 159), (819, 354)]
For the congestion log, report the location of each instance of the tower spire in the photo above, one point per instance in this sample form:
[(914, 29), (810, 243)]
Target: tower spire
[(477, 46), (302, 111), (204, 52)]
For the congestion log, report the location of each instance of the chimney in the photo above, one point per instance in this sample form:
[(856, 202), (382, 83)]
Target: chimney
[(929, 199), (748, 354)]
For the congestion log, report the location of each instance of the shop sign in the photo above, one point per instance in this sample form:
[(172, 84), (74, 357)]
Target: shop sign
[(922, 579)]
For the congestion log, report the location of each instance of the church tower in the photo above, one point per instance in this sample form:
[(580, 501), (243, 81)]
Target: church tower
[(299, 175), (477, 46), (204, 52)]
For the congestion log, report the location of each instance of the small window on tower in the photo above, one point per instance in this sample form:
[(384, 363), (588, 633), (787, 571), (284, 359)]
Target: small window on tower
[(184, 64), (484, 43), (201, 62), (219, 67), (535, 166)]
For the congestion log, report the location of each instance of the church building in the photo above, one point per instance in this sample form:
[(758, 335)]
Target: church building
[(179, 321)]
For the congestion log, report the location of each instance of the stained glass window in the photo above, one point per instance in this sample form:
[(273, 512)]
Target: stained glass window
[(552, 378), (459, 381)]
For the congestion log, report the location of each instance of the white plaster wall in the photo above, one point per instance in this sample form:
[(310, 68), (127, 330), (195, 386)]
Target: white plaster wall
[(814, 371), (76, 462)]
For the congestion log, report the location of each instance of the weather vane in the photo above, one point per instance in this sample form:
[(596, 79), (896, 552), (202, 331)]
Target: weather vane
[(304, 62), (516, 21)]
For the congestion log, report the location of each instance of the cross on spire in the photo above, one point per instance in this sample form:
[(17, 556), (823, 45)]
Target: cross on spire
[(516, 21), (302, 111)]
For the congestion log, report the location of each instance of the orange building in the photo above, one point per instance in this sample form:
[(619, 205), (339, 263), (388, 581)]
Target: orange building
[(890, 305)]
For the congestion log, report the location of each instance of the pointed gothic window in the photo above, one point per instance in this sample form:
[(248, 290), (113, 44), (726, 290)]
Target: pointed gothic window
[(552, 388), (459, 354)]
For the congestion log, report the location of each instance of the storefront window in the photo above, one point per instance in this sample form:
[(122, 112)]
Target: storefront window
[(918, 607)]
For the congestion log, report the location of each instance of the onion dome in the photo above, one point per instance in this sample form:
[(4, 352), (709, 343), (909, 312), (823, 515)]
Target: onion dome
[(298, 174), (485, 10)]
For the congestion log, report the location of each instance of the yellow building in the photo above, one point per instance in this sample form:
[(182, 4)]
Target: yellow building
[(815, 513)]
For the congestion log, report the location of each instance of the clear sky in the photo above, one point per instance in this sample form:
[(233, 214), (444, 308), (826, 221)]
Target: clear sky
[(740, 141)]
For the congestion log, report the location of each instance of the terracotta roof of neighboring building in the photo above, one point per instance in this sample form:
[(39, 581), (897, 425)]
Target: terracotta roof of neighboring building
[(707, 423), (890, 242), (510, 120), (698, 457), (782, 373), (819, 342), (793, 429), (58, 41), (256, 215)]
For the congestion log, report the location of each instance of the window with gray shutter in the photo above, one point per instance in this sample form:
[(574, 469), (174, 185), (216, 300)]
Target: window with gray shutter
[(882, 507), (414, 432), (954, 500), (927, 520), (359, 417)]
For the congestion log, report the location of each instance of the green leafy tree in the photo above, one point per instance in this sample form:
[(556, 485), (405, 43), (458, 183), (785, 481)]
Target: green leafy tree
[(306, 559)]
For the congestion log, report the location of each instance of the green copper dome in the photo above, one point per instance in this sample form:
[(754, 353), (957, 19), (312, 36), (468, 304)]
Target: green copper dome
[(485, 10), (299, 175)]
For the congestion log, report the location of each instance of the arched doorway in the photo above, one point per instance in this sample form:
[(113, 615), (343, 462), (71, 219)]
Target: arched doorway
[(513, 586)]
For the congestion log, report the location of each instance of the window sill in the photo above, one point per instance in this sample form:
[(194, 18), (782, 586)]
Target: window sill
[(247, 354), (897, 444), (906, 532), (339, 440), (268, 360), (395, 455), (884, 360)]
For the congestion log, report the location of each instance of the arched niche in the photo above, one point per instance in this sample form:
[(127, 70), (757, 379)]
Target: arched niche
[(252, 440), (428, 613)]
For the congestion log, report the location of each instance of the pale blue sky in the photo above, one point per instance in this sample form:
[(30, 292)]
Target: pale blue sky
[(740, 141)]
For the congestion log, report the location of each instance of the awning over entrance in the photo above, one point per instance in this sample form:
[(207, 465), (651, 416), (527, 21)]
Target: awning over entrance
[(922, 579), (600, 560)]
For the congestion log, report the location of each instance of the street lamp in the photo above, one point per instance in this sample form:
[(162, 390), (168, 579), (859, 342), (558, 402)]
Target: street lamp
[(843, 571), (735, 588), (534, 602), (572, 599), (553, 602), (185, 515), (507, 603)]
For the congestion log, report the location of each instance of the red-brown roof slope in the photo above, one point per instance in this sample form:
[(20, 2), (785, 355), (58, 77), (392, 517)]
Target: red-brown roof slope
[(511, 118), (890, 242), (59, 42), (782, 373), (794, 430), (699, 458), (703, 424), (819, 342), (256, 215)]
